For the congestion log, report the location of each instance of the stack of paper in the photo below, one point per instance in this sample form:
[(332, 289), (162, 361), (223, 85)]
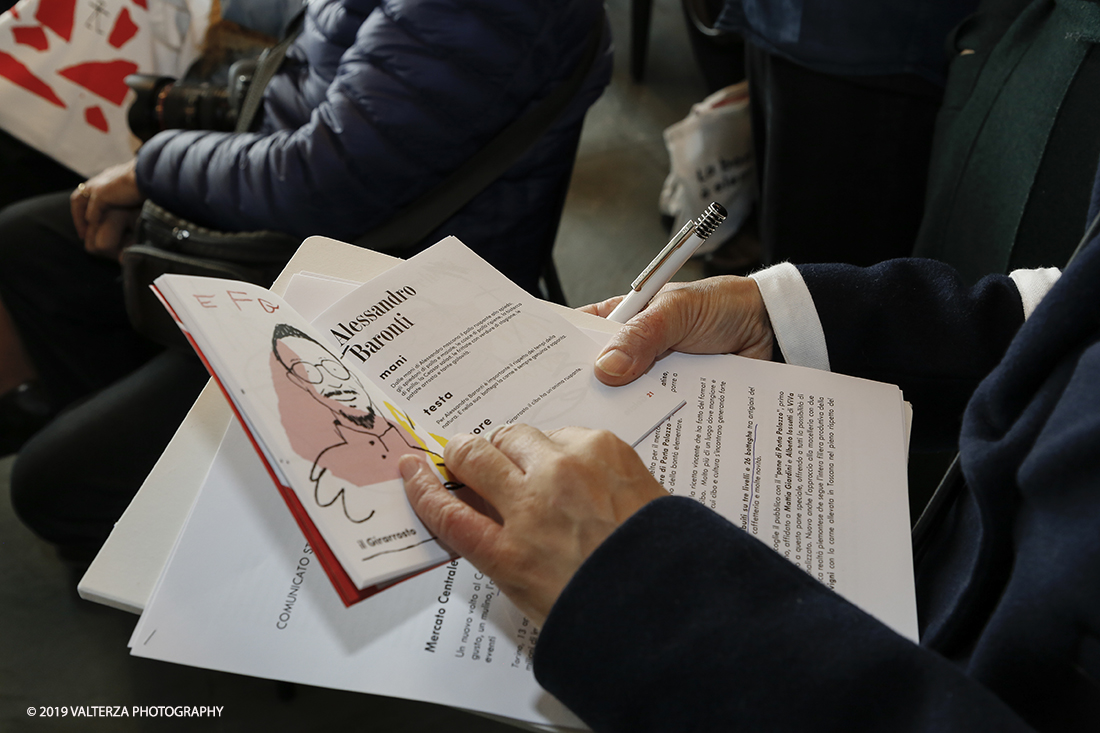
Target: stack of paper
[(811, 463)]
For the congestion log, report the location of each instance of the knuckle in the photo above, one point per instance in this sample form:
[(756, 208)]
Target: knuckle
[(498, 434), (600, 434), (649, 324), (459, 451), (605, 441), (468, 452), (647, 332)]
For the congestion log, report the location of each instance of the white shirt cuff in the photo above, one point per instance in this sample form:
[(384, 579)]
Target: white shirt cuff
[(793, 315), (1033, 285)]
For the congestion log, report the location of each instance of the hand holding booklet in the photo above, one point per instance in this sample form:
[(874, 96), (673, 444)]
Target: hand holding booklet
[(812, 463), (438, 345)]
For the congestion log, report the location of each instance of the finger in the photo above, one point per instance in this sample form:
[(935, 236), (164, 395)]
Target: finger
[(90, 232), (93, 211), (602, 309), (78, 203), (717, 315), (569, 435), (596, 445), (484, 468), (108, 236), (522, 444), (639, 342), (456, 524)]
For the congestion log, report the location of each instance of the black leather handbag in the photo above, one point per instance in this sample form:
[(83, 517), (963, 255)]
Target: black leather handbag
[(169, 244)]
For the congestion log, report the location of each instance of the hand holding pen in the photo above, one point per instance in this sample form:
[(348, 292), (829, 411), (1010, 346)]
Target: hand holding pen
[(660, 271)]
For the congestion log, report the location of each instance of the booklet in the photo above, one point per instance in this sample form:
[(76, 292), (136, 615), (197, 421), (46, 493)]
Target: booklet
[(440, 344)]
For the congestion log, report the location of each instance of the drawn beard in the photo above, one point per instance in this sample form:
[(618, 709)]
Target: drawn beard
[(365, 420)]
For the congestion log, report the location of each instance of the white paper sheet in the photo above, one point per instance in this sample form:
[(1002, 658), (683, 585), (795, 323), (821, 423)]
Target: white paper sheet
[(459, 345), (243, 594), (809, 462)]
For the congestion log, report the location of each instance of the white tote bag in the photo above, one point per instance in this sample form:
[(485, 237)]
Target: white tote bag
[(711, 159), (63, 65)]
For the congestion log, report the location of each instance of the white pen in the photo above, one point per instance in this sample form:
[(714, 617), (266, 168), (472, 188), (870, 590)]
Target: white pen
[(678, 251)]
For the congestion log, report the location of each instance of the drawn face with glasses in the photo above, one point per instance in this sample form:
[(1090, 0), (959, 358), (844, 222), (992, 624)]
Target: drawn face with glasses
[(314, 368)]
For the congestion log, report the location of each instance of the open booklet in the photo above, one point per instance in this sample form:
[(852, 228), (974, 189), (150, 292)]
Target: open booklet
[(836, 497), (440, 344)]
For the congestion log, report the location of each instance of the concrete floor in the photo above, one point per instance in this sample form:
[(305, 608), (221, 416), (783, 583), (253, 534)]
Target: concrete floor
[(61, 650)]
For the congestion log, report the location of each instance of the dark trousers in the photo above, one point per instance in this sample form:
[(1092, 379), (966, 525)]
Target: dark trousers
[(66, 304), (842, 161), (122, 396), (27, 172)]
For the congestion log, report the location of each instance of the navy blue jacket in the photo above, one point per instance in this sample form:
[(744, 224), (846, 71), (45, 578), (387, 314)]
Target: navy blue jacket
[(379, 100), (852, 37), (681, 621)]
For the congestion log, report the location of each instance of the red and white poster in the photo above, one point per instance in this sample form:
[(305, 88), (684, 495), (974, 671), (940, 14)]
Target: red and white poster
[(63, 65)]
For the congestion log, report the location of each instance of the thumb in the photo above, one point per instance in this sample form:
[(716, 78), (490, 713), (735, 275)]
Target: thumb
[(639, 342), (718, 315)]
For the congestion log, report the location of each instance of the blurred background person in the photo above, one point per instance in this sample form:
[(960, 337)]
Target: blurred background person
[(844, 103)]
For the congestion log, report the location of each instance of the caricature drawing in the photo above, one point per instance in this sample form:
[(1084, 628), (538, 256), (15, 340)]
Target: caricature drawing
[(366, 446)]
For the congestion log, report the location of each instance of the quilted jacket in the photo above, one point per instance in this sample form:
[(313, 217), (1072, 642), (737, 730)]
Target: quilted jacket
[(380, 99)]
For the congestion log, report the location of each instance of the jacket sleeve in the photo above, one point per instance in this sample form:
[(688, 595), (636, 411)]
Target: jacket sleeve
[(681, 621), (915, 323), (419, 87)]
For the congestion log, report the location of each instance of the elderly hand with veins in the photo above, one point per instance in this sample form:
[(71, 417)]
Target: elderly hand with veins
[(558, 496), (555, 497), (718, 315)]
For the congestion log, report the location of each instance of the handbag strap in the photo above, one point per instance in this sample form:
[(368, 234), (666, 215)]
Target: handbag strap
[(266, 66), (414, 222)]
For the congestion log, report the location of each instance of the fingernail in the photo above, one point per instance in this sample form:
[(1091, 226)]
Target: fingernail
[(614, 363), (409, 466)]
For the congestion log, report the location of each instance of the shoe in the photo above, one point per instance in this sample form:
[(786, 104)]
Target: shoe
[(23, 412)]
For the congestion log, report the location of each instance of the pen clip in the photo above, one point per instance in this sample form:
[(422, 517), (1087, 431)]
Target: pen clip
[(665, 253)]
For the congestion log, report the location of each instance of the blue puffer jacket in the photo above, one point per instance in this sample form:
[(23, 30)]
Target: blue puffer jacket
[(379, 100)]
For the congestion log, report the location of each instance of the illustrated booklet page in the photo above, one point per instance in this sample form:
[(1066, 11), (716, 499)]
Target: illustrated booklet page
[(465, 349), (440, 344)]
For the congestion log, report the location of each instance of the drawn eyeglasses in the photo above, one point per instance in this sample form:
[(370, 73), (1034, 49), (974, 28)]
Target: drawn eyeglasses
[(314, 373)]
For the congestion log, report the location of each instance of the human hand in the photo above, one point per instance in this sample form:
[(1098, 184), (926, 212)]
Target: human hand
[(105, 209), (558, 495), (718, 315)]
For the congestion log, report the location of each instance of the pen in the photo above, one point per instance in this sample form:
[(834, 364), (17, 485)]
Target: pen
[(678, 251)]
